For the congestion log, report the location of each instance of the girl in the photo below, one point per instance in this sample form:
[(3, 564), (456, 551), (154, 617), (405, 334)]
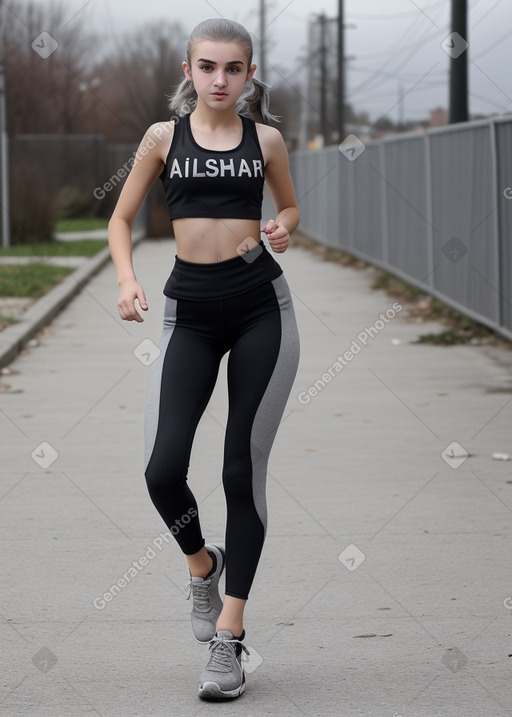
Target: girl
[(226, 292)]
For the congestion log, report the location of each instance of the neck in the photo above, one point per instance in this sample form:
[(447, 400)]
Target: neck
[(204, 115)]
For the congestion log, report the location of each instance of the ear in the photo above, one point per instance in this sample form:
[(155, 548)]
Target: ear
[(186, 70), (250, 74)]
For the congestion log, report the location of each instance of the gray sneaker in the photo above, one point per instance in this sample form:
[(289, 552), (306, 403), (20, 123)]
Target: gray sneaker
[(207, 603), (224, 676)]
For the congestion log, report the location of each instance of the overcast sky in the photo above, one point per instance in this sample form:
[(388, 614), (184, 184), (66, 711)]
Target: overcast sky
[(393, 46)]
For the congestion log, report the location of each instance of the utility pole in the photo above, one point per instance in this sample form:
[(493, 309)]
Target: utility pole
[(263, 49), (401, 108), (340, 95), (309, 66), (323, 77), (459, 65), (4, 162)]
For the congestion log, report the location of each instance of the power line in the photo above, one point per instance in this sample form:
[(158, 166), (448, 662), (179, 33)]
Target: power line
[(503, 108), (391, 94), (387, 54), (405, 76), (395, 16), (493, 46), (397, 54)]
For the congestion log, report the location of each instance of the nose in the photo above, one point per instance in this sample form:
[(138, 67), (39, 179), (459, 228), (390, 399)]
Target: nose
[(220, 79)]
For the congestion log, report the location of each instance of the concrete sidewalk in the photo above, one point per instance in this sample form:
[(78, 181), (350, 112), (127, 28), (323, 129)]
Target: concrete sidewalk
[(40, 312), (384, 586)]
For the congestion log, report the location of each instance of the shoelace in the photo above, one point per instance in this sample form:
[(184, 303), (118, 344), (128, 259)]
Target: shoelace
[(200, 594), (221, 658)]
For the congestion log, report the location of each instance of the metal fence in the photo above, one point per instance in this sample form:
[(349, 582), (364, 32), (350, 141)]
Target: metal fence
[(81, 171), (434, 208)]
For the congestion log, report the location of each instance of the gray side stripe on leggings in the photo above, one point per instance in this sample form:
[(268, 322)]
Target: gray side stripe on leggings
[(152, 408), (272, 405)]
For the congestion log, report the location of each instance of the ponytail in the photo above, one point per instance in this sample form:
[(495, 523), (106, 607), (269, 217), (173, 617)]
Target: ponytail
[(184, 99), (254, 103)]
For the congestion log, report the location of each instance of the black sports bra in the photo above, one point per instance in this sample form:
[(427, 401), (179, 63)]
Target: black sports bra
[(201, 182)]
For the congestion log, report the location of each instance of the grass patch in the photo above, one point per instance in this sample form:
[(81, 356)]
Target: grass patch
[(81, 247), (445, 338), (6, 321), (461, 329), (338, 256), (81, 224), (30, 280), (393, 286)]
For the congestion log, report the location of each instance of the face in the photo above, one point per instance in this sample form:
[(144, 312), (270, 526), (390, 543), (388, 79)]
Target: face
[(219, 71)]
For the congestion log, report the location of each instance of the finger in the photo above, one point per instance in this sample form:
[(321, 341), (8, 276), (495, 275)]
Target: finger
[(279, 240), (142, 300), (129, 313)]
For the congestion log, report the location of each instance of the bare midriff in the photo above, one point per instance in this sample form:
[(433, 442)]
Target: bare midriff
[(206, 240)]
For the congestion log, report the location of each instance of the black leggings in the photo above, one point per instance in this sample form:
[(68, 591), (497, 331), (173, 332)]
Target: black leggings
[(259, 330)]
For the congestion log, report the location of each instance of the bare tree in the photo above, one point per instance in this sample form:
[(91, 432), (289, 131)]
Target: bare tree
[(48, 60), (140, 75)]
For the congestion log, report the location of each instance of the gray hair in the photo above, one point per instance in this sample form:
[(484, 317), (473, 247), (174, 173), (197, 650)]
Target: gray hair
[(254, 102)]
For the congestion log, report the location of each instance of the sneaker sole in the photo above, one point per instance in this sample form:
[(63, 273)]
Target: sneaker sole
[(212, 691)]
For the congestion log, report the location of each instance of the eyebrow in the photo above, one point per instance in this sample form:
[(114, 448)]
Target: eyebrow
[(212, 62)]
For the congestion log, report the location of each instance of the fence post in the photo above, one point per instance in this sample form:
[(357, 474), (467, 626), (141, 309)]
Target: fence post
[(495, 192), (496, 313), (350, 172), (384, 203), (429, 210)]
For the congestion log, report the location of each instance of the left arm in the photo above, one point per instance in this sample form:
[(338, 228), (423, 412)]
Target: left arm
[(280, 185)]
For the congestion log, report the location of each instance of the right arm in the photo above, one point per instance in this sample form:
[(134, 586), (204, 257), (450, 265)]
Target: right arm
[(147, 167)]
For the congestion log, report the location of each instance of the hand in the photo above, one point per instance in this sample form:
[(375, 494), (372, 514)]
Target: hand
[(130, 291), (277, 235)]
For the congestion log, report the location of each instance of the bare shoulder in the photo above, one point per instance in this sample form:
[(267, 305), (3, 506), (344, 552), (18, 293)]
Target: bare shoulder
[(158, 137), (270, 138), (161, 130), (272, 144), (156, 143)]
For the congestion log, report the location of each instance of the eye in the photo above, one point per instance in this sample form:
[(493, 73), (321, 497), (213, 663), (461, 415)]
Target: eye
[(235, 68), (206, 67)]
